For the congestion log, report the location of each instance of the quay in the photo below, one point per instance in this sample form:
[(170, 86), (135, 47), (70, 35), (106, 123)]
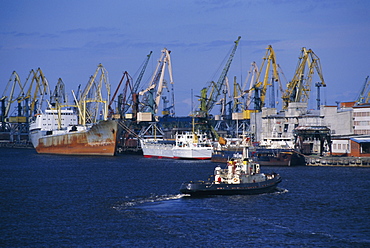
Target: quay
[(8, 144), (338, 161)]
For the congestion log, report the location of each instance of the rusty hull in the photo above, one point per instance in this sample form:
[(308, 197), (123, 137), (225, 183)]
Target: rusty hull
[(100, 139)]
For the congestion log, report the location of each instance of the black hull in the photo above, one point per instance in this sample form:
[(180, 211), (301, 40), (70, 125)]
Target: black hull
[(278, 157), (206, 188)]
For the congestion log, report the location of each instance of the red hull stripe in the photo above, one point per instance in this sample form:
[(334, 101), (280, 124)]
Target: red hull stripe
[(153, 156)]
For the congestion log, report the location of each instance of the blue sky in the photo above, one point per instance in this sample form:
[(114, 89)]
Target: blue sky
[(68, 39)]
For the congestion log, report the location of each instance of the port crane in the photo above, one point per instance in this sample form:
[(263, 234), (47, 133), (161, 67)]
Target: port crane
[(58, 97), (30, 97), (210, 94), (58, 100), (364, 95), (260, 85), (122, 105), (128, 97), (133, 100), (12, 92), (237, 94), (37, 92), (298, 89), (140, 77), (151, 96), (92, 102), (252, 73)]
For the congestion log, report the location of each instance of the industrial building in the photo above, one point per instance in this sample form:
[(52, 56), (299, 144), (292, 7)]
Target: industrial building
[(349, 127)]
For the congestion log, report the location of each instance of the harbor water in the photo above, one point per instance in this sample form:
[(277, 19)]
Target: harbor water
[(132, 201)]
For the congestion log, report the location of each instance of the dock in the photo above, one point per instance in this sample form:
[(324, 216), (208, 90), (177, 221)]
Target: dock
[(338, 161)]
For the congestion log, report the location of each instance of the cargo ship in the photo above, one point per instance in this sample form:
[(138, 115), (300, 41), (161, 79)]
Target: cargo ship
[(277, 157), (58, 132), (227, 147), (187, 145)]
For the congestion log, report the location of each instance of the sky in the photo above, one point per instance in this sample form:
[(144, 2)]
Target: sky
[(68, 39)]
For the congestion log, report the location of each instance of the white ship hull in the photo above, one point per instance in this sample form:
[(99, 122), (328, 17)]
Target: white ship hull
[(183, 148), (153, 149), (192, 153)]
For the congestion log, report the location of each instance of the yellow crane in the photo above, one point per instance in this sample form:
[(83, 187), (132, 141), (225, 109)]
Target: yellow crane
[(37, 89), (30, 96), (12, 92), (298, 90), (260, 85), (92, 101)]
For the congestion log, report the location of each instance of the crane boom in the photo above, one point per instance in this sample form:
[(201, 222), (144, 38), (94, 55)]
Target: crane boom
[(138, 80), (9, 97), (166, 61), (215, 88), (361, 98), (92, 97), (152, 94), (253, 71), (298, 90), (260, 86), (58, 96), (37, 90)]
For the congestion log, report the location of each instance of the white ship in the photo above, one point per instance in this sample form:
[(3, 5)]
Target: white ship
[(188, 145), (49, 121)]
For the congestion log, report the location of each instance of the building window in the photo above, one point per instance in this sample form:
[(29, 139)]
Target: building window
[(365, 148), (286, 126)]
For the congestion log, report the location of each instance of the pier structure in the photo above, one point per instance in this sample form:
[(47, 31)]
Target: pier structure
[(338, 161)]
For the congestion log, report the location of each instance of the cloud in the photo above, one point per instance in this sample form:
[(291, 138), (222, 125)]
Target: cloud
[(262, 42), (49, 35), (36, 34), (88, 30), (31, 34), (65, 49), (212, 5), (92, 45)]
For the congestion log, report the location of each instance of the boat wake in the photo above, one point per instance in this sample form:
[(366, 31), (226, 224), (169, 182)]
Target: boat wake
[(280, 191), (140, 201)]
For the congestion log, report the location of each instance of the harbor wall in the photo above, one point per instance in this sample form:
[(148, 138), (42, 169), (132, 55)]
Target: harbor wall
[(338, 161)]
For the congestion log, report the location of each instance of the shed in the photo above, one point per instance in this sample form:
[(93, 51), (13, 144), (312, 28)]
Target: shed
[(360, 147)]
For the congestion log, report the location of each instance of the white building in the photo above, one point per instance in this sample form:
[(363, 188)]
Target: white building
[(361, 119)]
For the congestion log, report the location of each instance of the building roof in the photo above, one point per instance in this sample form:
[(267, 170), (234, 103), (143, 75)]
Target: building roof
[(347, 104), (367, 105), (361, 140)]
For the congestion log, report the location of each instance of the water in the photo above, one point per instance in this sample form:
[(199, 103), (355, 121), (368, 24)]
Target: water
[(131, 201)]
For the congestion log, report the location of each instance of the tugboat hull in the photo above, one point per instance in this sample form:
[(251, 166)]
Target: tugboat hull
[(207, 188)]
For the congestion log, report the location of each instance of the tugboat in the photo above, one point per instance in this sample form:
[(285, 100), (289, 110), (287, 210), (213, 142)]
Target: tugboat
[(241, 177)]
